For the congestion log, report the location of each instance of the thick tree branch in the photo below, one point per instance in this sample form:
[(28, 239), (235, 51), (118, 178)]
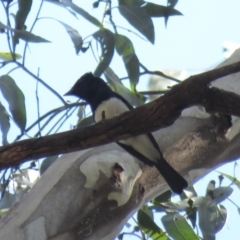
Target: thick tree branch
[(150, 117)]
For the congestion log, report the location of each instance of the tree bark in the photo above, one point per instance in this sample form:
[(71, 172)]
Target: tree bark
[(194, 91), (82, 196)]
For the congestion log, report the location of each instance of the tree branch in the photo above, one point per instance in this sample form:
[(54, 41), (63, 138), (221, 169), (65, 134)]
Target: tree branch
[(150, 117)]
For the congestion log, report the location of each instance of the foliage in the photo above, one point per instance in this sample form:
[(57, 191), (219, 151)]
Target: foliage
[(139, 14)]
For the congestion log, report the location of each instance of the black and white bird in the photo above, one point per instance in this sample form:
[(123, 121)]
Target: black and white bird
[(107, 104)]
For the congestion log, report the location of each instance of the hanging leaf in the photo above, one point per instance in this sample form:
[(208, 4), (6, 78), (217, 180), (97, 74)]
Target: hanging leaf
[(125, 49), (106, 41), (148, 211), (172, 3), (85, 122), (212, 218), (25, 35), (24, 7), (6, 56), (16, 100), (138, 18), (178, 227), (231, 178), (60, 4), (134, 2), (164, 197), (221, 218), (74, 35), (118, 87), (46, 163), (155, 10), (149, 226), (222, 193), (4, 124), (83, 13)]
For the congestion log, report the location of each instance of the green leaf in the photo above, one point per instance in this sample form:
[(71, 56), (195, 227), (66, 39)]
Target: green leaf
[(6, 56), (150, 227), (74, 35), (106, 41), (83, 13), (24, 7), (222, 193), (221, 218), (25, 35), (231, 178), (46, 163), (60, 4), (16, 100), (138, 18), (85, 122), (148, 211), (155, 10), (178, 227), (212, 218), (4, 123), (172, 3), (125, 49), (164, 197), (188, 192), (118, 87), (134, 2)]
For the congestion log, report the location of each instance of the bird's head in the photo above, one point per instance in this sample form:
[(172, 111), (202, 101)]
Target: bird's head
[(86, 86)]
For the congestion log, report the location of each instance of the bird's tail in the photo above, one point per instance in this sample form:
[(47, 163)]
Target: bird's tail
[(175, 181)]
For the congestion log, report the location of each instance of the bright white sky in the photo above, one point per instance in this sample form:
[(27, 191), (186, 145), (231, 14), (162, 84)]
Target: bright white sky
[(192, 42)]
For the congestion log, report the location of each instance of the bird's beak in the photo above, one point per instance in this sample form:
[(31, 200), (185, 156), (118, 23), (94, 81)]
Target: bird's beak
[(69, 93)]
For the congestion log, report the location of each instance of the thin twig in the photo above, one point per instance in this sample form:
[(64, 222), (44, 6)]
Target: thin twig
[(34, 22), (42, 82), (38, 108), (158, 73), (111, 18), (6, 9), (57, 110)]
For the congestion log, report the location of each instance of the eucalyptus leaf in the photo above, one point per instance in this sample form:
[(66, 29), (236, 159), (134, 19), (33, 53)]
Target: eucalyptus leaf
[(164, 197), (106, 41), (212, 218), (148, 211), (16, 100), (24, 7), (155, 10), (222, 193), (125, 49), (149, 226), (231, 178), (221, 218), (25, 35), (7, 56), (138, 18), (172, 3), (10, 199), (60, 4), (74, 35), (4, 124), (178, 227), (83, 13), (46, 163), (118, 87), (85, 122)]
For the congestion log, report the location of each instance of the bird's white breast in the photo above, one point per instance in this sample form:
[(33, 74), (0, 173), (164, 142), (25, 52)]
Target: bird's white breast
[(109, 109), (141, 143)]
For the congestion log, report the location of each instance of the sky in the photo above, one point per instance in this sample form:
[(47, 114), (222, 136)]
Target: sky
[(192, 42)]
